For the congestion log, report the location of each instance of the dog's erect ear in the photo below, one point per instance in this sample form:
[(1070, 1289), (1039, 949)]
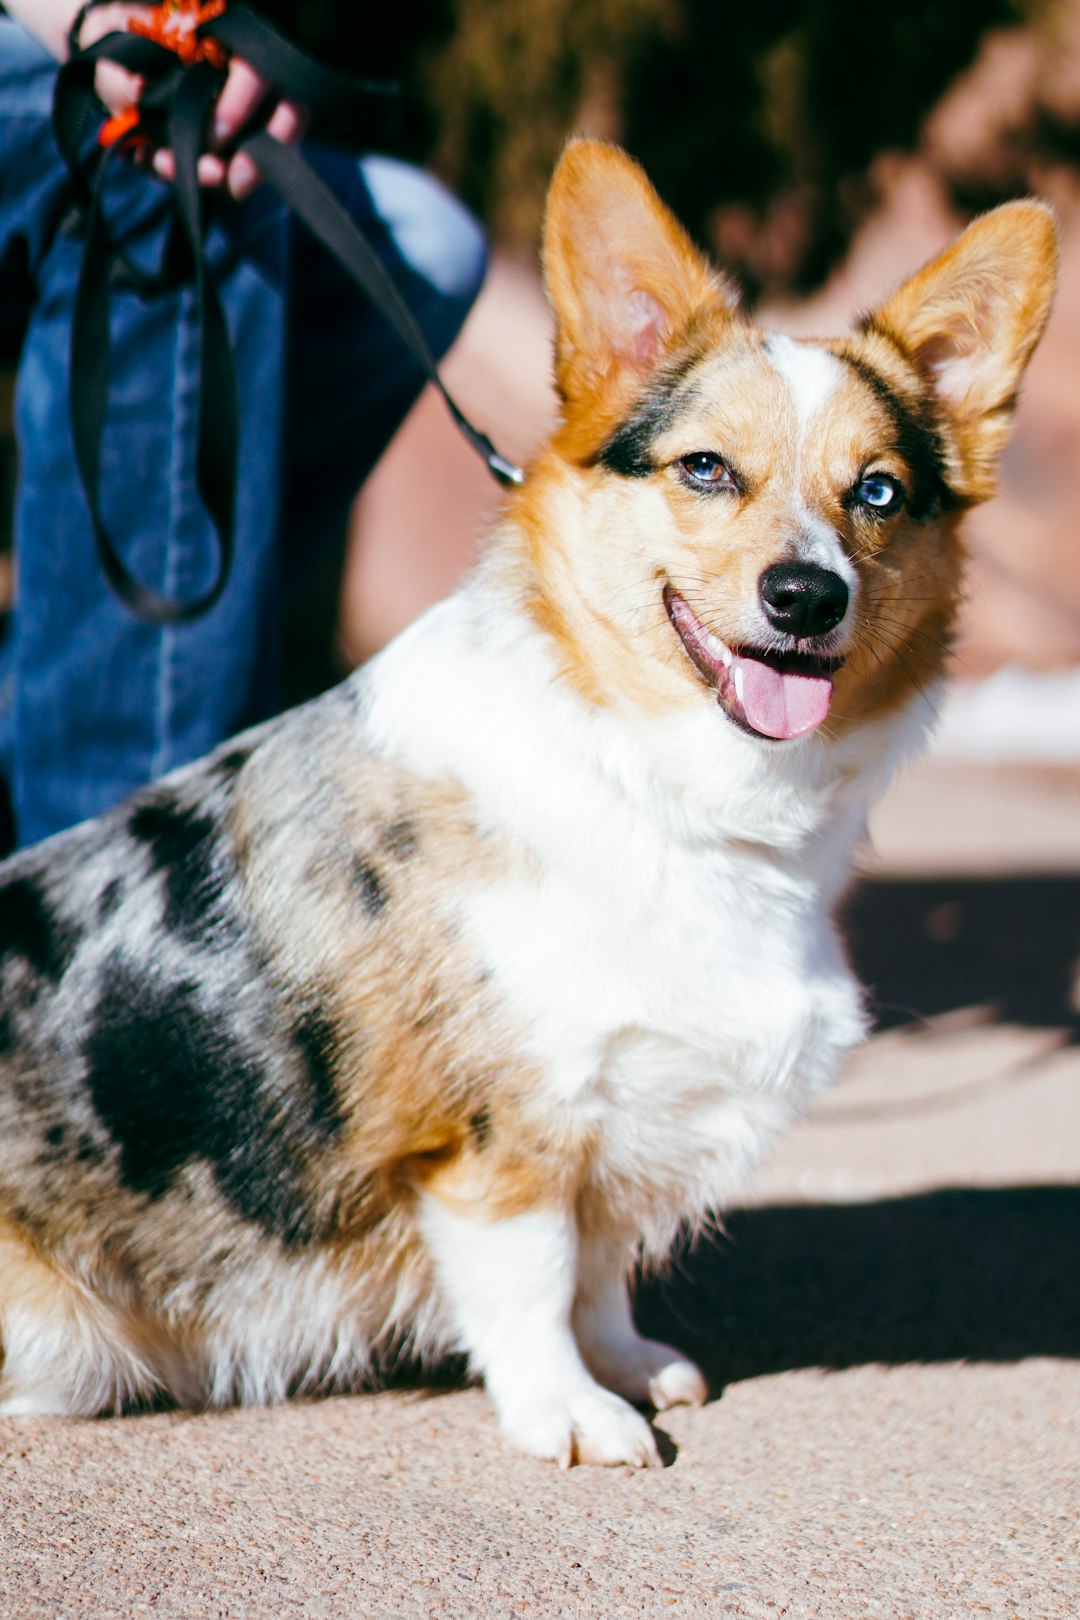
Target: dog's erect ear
[(970, 320), (622, 275)]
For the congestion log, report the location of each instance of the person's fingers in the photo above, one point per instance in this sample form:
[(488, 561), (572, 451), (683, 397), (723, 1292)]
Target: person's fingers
[(286, 125), (243, 176), (243, 94), (117, 89), (102, 20), (211, 170)]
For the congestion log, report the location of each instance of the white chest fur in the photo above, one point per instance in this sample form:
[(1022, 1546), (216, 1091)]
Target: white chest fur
[(679, 1013), (678, 981)]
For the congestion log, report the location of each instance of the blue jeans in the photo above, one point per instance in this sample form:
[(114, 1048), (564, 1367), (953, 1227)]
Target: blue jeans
[(93, 702)]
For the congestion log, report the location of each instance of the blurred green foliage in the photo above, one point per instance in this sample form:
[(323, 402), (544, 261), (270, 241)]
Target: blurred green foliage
[(758, 123)]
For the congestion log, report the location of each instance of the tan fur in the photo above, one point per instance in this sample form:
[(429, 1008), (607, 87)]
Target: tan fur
[(624, 278), (436, 1093), (967, 324), (970, 321)]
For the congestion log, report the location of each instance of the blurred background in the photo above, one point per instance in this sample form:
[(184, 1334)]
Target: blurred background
[(820, 154)]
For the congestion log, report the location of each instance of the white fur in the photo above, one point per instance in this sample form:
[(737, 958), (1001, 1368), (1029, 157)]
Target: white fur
[(67, 1354), (511, 1285), (668, 950), (664, 946), (273, 1327), (640, 1369), (811, 374)]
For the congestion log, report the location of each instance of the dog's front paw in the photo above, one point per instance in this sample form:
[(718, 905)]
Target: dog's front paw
[(589, 1426), (648, 1373)]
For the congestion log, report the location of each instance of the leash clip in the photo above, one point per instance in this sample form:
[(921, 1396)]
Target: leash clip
[(505, 470)]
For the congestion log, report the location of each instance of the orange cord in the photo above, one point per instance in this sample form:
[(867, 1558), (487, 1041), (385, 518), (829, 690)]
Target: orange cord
[(121, 124), (174, 24)]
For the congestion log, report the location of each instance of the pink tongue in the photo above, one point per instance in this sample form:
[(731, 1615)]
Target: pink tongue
[(779, 705)]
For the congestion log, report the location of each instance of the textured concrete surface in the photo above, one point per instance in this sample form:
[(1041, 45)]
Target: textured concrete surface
[(891, 1326)]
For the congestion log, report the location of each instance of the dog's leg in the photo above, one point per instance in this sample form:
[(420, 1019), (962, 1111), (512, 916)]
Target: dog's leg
[(62, 1351), (510, 1286), (643, 1370)]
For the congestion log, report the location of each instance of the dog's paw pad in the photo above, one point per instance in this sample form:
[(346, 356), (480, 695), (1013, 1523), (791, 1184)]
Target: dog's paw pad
[(586, 1427)]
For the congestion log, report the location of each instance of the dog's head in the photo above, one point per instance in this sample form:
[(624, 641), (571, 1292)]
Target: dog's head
[(728, 515)]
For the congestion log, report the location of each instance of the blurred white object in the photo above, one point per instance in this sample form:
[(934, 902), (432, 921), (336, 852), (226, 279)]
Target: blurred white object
[(1016, 715)]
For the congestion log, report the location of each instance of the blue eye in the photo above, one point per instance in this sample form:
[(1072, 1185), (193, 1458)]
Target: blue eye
[(704, 469), (879, 492)]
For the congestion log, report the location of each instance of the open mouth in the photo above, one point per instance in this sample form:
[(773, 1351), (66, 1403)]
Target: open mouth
[(770, 694)]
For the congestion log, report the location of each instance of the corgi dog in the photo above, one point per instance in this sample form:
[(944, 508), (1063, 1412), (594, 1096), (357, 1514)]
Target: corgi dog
[(415, 1018)]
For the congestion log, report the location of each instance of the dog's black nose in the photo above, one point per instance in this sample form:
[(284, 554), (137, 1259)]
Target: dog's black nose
[(802, 599)]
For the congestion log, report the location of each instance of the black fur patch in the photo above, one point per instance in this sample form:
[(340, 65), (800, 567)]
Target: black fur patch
[(28, 929), (917, 440), (480, 1125), (629, 450), (55, 1149), (370, 885), (399, 839), (87, 1150), (110, 898), (172, 1084), (184, 844), (316, 1038), (232, 763)]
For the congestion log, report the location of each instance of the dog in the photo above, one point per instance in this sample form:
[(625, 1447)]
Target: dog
[(413, 1019)]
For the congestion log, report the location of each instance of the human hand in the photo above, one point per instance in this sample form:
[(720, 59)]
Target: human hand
[(245, 92)]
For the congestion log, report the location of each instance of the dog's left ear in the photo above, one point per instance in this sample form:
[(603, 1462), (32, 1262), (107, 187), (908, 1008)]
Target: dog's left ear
[(970, 321), (622, 275)]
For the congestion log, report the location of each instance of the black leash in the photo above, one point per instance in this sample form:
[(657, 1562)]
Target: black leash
[(174, 111)]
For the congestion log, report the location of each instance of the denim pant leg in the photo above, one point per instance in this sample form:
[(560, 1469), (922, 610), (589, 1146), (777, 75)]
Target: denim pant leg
[(100, 703)]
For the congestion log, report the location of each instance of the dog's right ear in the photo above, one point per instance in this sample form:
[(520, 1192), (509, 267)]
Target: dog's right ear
[(622, 275)]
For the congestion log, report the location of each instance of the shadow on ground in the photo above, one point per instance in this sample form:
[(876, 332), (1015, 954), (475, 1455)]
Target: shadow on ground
[(959, 1275), (964, 1274), (928, 946)]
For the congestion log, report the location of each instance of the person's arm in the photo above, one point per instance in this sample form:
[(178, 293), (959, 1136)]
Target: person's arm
[(50, 22)]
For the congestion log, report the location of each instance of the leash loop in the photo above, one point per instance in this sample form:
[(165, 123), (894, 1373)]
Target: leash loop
[(183, 65)]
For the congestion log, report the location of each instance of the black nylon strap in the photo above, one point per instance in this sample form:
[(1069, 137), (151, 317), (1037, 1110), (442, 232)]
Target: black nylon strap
[(174, 111), (313, 202), (180, 101), (334, 98)]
